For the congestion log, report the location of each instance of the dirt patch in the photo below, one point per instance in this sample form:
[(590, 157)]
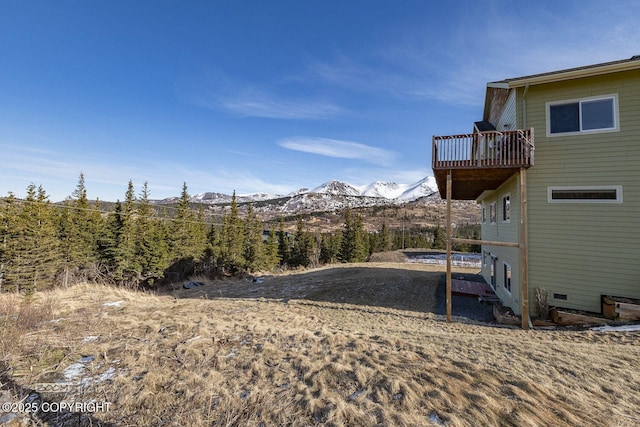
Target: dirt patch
[(390, 256), (404, 286)]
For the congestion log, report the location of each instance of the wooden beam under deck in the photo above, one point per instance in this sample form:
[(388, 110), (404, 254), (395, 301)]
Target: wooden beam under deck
[(468, 184)]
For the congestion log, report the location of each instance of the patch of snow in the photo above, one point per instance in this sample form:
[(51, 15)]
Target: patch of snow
[(74, 371), (90, 338), (113, 304), (621, 328), (458, 260), (107, 375), (435, 418)]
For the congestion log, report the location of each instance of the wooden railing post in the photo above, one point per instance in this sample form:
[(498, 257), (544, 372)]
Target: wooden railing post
[(448, 285)]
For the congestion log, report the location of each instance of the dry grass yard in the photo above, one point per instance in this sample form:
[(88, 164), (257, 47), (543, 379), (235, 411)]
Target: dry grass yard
[(357, 345)]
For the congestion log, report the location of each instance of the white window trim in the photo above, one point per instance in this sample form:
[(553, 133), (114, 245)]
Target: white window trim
[(617, 188), (506, 266), (493, 271), (492, 208), (504, 199), (616, 118)]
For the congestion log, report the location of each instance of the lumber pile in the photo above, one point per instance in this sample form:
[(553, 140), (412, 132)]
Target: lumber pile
[(624, 309), (566, 318), (505, 316)]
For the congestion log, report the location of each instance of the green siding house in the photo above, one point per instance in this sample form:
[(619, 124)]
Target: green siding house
[(555, 165)]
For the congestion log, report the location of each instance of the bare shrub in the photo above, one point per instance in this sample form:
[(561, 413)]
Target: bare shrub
[(542, 304)]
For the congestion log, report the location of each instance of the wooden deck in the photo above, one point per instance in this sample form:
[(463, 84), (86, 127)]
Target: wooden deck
[(471, 289), (480, 161)]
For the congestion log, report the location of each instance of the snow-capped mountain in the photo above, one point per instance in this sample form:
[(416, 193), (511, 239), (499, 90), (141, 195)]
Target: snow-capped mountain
[(337, 188), (332, 193), (401, 192)]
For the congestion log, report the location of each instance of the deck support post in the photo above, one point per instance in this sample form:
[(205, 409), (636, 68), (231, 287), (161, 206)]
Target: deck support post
[(524, 257), (449, 246)]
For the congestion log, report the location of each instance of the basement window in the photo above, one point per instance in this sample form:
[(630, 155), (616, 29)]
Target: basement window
[(582, 194), (507, 276)]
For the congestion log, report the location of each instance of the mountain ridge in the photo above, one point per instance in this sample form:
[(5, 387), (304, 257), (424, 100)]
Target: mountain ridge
[(386, 192)]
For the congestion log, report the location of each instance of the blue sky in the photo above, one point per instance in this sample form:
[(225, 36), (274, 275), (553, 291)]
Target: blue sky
[(266, 96)]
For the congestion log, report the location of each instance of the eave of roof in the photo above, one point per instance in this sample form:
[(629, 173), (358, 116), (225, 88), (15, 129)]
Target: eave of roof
[(568, 74)]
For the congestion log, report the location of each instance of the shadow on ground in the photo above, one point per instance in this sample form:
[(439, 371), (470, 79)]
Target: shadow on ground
[(404, 288)]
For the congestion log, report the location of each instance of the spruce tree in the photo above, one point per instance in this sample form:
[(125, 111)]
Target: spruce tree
[(284, 246), (78, 226), (180, 239), (152, 249), (330, 247), (439, 238), (118, 243), (31, 250), (354, 247), (253, 245), (384, 241), (271, 256), (231, 240), (302, 251)]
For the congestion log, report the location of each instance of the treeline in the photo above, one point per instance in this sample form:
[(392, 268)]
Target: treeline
[(44, 245)]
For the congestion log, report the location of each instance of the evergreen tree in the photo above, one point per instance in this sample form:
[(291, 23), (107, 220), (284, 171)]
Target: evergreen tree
[(9, 233), (212, 250), (118, 244), (284, 246), (330, 247), (188, 237), (302, 251), (128, 267), (354, 247), (271, 256), (152, 249), (439, 238), (78, 228), (231, 240), (384, 241), (31, 253), (181, 245), (253, 245)]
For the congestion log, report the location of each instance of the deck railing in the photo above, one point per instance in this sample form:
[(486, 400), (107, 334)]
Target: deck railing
[(508, 149)]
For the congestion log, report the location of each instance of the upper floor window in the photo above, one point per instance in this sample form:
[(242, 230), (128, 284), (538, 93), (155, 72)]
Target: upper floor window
[(492, 213), (594, 114), (506, 208)]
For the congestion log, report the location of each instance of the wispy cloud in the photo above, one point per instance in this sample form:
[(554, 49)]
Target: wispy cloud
[(420, 63), (217, 91), (257, 104), (340, 149)]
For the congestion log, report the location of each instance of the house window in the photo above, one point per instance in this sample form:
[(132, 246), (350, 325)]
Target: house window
[(484, 214), (494, 265), (582, 194), (492, 213), (507, 276), (596, 114), (506, 208)]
